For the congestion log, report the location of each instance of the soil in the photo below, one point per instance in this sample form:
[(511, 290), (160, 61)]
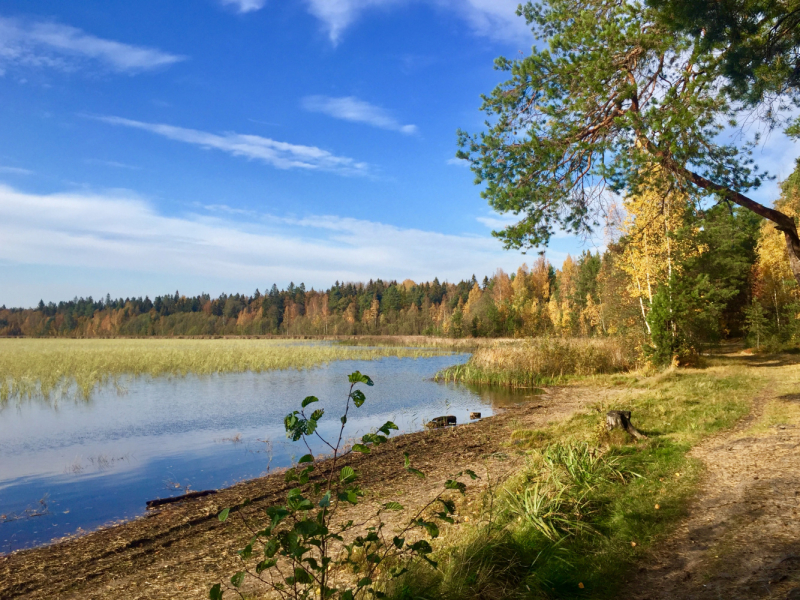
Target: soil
[(741, 539), (180, 550)]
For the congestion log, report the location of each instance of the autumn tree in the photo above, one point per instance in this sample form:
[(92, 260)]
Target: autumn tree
[(609, 98)]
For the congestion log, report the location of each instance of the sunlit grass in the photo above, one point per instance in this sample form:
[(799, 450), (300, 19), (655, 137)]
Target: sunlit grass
[(575, 521), (43, 367)]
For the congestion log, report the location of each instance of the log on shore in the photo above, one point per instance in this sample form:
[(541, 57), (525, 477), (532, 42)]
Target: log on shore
[(162, 501)]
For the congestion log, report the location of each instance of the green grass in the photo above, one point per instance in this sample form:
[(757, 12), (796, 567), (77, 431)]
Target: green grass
[(572, 517), (41, 368), (543, 361)]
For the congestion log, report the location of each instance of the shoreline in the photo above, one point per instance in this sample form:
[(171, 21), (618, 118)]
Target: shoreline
[(186, 549)]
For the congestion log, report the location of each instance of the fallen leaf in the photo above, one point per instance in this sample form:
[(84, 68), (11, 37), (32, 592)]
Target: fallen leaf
[(633, 544), (657, 507), (580, 585)]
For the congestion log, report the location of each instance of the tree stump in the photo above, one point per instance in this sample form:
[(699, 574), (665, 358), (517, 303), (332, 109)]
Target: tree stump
[(621, 419)]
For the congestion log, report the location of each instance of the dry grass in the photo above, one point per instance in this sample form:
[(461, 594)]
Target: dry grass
[(43, 368), (542, 361)]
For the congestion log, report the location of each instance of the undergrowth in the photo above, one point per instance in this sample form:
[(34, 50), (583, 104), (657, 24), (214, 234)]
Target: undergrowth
[(574, 522)]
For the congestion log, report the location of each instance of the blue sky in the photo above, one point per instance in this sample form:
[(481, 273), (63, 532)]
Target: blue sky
[(224, 145)]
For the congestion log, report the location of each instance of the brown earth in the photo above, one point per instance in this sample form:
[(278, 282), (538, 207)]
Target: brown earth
[(741, 539), (180, 550)]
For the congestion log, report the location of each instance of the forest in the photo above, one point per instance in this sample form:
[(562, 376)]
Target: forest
[(694, 272)]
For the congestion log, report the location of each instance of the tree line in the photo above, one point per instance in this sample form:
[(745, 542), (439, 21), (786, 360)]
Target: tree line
[(676, 275)]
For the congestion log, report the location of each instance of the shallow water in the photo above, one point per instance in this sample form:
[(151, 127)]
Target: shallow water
[(99, 461)]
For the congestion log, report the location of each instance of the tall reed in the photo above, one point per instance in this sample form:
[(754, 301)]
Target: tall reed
[(543, 361), (43, 367)]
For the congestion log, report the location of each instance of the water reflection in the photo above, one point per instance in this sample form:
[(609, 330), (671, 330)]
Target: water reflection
[(101, 460)]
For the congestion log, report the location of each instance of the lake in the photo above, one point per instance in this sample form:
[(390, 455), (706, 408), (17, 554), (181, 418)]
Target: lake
[(95, 462)]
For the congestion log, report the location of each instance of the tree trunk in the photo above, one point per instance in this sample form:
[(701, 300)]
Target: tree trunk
[(783, 222), (621, 419)]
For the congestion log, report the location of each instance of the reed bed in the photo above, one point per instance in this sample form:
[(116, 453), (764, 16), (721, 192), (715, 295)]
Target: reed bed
[(543, 361), (31, 368)]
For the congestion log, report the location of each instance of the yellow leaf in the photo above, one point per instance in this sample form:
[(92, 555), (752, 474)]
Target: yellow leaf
[(580, 585)]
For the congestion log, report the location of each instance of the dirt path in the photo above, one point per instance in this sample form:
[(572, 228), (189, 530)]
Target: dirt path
[(742, 537), (179, 551)]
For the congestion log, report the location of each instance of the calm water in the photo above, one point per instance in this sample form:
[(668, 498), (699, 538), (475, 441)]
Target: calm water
[(100, 461)]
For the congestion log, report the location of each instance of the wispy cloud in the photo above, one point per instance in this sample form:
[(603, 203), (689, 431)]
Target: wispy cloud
[(53, 45), (489, 18), (457, 162), (102, 233), (245, 6), (110, 163), (350, 108), (254, 147), (15, 170)]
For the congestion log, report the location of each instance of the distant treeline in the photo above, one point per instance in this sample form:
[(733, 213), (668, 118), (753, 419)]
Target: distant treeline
[(533, 300), (727, 277)]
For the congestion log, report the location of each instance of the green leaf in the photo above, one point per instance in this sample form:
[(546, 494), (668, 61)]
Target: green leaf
[(449, 505), (451, 484), (246, 552), (357, 377), (361, 448), (216, 592), (317, 414), (432, 528), (347, 474), (223, 514), (471, 474), (343, 419), (325, 501), (393, 506), (358, 398), (387, 427), (364, 581), (307, 458), (237, 579), (416, 472), (421, 547), (309, 400), (294, 493), (407, 460), (397, 572), (348, 595), (302, 576), (264, 565), (271, 547), (398, 542)]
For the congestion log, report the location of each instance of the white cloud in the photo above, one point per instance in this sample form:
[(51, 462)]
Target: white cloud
[(457, 162), (358, 111), (278, 154), (42, 44), (245, 6), (111, 233), (15, 170), (111, 163), (496, 19)]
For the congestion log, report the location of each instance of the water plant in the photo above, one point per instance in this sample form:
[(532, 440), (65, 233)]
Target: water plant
[(47, 368)]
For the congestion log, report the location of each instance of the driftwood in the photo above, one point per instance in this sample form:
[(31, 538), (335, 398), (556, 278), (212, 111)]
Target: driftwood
[(441, 422), (474, 415), (162, 501), (621, 419)]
